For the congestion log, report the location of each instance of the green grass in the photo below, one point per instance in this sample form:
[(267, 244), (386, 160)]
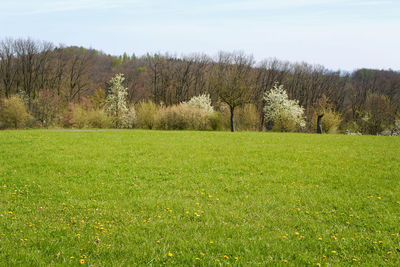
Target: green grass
[(209, 198)]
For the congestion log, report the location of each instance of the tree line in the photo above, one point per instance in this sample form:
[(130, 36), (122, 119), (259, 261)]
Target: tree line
[(49, 78)]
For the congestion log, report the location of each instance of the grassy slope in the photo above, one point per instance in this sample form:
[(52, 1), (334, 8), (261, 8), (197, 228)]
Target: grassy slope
[(132, 197)]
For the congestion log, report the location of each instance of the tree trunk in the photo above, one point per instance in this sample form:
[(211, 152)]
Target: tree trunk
[(319, 127), (232, 125)]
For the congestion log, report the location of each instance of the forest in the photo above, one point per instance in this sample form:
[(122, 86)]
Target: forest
[(43, 85)]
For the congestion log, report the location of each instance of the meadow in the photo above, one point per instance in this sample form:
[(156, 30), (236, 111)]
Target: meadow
[(136, 197)]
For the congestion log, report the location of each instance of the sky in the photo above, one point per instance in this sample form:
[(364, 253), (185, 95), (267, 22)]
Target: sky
[(338, 34)]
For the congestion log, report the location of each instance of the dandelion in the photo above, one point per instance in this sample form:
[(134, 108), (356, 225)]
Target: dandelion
[(170, 254), (82, 261), (211, 242), (320, 239), (236, 258), (333, 251), (226, 257), (197, 259), (347, 222), (202, 253), (297, 233), (319, 264)]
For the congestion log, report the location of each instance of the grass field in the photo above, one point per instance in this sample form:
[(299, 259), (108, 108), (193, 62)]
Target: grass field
[(126, 198)]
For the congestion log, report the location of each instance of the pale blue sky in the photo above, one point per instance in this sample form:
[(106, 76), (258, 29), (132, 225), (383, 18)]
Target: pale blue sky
[(338, 34)]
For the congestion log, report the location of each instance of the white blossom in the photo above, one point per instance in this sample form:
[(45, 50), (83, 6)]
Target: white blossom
[(117, 105), (202, 102), (278, 104)]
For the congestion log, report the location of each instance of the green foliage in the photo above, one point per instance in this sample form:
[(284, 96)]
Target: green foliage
[(146, 115), (127, 198), (13, 113), (116, 62)]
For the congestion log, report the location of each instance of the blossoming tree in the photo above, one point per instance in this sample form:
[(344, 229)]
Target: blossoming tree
[(117, 104), (281, 112)]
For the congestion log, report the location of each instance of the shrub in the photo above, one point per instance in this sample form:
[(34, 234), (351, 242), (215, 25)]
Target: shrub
[(225, 114), (93, 118), (47, 108), (183, 117), (377, 114), (330, 121), (79, 118), (146, 115), (215, 120), (13, 113), (247, 118), (97, 118), (282, 113), (284, 122)]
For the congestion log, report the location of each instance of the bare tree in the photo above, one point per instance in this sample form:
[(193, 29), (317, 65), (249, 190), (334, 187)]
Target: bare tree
[(78, 68), (8, 66), (233, 80)]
